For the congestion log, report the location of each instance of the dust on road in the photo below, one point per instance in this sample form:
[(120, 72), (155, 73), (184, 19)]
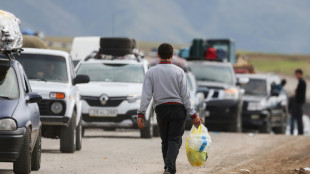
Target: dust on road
[(124, 152)]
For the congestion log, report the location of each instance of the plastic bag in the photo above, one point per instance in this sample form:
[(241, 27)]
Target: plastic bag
[(197, 145), (11, 38)]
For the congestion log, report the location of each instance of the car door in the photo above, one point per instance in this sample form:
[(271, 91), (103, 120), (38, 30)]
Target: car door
[(74, 93)]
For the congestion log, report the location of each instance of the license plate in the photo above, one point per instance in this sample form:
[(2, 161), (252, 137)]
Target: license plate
[(103, 112), (254, 117)]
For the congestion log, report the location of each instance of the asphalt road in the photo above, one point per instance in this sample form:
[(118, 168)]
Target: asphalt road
[(124, 152)]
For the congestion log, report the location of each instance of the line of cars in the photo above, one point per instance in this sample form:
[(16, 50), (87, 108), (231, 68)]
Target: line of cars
[(235, 102), (221, 97), (104, 91), (240, 102)]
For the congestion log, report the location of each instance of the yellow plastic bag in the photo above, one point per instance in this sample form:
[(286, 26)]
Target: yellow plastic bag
[(197, 144)]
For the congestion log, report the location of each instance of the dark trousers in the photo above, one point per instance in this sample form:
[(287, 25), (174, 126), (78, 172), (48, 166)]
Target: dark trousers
[(297, 112), (171, 123)]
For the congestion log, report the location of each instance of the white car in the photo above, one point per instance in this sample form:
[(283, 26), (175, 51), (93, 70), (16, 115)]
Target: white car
[(83, 46), (112, 97), (51, 74)]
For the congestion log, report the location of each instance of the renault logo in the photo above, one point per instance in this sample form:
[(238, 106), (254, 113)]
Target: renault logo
[(103, 99)]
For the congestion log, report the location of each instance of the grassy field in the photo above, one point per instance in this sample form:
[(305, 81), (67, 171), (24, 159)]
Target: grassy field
[(282, 64)]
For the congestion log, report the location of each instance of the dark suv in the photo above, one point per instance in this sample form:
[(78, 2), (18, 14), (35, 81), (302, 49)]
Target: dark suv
[(20, 126), (222, 95), (264, 104)]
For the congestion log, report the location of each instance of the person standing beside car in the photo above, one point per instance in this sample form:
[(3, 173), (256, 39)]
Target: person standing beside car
[(167, 85), (298, 102)]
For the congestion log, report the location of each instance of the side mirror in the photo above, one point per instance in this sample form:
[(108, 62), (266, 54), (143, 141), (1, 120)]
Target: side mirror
[(81, 79), (242, 81), (33, 98)]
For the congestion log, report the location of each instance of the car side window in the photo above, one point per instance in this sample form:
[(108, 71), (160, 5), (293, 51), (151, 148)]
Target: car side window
[(28, 89), (24, 79), (21, 70)]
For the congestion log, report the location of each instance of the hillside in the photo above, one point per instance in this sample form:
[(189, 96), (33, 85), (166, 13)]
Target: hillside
[(264, 26)]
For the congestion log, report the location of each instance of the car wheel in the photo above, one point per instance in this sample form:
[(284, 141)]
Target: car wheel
[(83, 132), (68, 136), (282, 128), (236, 126), (79, 136), (117, 43), (266, 128), (147, 131), (23, 163), (36, 154)]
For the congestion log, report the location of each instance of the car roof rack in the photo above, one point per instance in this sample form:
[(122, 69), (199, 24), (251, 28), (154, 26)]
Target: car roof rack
[(10, 54), (98, 56)]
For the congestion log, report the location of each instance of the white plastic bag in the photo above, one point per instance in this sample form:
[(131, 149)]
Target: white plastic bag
[(197, 145), (11, 38)]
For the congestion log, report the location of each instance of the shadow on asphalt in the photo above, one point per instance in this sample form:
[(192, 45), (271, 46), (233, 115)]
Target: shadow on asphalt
[(5, 171), (110, 136), (51, 151)]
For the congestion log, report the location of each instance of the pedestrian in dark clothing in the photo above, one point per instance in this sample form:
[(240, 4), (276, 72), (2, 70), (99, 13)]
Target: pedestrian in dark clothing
[(166, 84), (296, 103)]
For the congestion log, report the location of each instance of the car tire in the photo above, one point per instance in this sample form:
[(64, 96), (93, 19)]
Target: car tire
[(236, 126), (282, 128), (36, 154), (147, 131), (68, 136), (117, 43), (156, 131), (266, 127), (23, 163), (115, 51), (83, 132), (79, 135)]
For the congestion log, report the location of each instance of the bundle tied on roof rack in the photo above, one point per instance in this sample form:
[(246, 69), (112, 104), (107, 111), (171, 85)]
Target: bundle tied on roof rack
[(11, 39), (116, 46)]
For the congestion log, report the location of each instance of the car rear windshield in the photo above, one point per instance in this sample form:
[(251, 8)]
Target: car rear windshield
[(213, 73), (128, 73), (44, 67), (256, 87), (8, 83)]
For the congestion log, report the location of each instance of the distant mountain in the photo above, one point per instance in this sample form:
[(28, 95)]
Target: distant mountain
[(268, 25)]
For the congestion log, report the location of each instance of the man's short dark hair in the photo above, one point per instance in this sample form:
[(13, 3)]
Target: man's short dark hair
[(165, 51), (299, 71), (283, 82)]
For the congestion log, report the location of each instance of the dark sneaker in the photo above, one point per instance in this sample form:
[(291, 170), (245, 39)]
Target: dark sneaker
[(167, 171)]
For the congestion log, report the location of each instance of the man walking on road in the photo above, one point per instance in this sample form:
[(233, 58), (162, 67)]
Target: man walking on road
[(166, 84), (297, 103)]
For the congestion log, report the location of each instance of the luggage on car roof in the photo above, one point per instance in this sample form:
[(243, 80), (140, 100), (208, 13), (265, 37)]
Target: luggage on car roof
[(198, 48), (211, 54), (116, 46)]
